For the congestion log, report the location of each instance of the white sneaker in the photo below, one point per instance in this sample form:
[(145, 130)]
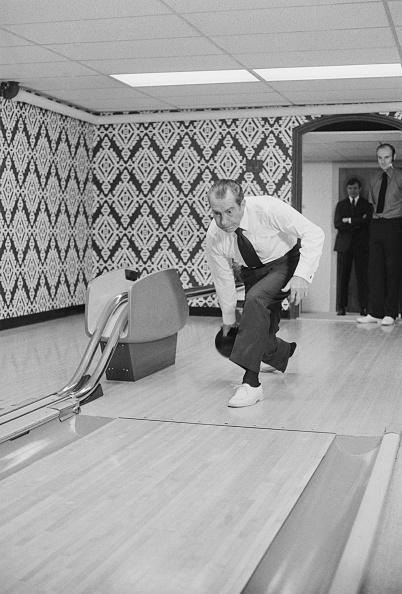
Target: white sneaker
[(387, 321), (246, 395), (368, 319)]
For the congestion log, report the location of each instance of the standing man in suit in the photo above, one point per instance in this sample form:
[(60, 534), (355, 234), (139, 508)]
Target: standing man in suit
[(352, 218), (385, 247)]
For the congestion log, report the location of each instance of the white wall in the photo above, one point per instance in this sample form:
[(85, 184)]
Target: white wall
[(320, 193)]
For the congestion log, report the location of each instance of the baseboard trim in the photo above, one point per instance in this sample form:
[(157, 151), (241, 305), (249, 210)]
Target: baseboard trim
[(205, 311), (43, 316)]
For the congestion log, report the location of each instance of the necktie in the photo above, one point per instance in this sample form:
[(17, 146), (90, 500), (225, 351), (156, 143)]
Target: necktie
[(247, 251), (381, 195)]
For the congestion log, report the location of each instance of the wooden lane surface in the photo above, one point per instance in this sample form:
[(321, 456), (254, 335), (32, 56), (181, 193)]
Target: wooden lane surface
[(343, 379), (38, 359), (151, 507)]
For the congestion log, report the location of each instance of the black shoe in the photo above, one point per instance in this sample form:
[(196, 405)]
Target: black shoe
[(341, 312), (293, 346), (363, 311)]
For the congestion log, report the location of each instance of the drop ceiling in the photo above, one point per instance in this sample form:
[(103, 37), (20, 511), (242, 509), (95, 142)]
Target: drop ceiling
[(347, 147), (67, 50)]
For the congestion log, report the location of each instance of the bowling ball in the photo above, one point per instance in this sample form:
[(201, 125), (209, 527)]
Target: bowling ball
[(224, 344)]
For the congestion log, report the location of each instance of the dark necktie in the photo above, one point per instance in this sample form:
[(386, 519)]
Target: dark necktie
[(381, 195), (247, 251)]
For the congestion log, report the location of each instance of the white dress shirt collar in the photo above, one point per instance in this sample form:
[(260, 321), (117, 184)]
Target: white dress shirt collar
[(355, 200)]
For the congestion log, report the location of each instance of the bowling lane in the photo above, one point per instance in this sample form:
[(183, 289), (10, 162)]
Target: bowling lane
[(152, 507), (342, 378), (38, 359)]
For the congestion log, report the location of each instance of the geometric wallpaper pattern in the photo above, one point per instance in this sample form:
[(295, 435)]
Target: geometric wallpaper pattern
[(45, 210), (77, 200), (151, 180)]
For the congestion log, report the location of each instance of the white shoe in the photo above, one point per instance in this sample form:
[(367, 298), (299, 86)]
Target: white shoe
[(246, 395), (368, 319), (387, 321)]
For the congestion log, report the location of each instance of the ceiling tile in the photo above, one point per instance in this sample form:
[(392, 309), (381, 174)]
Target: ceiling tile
[(28, 11), (330, 85), (46, 69), (27, 54), (8, 40), (315, 18), (186, 6), (320, 58), (84, 94), (213, 89), (79, 43), (136, 49), (344, 96), (399, 34), (395, 7), (165, 64), (349, 136), (118, 105), (149, 27), (77, 82), (321, 40), (212, 101)]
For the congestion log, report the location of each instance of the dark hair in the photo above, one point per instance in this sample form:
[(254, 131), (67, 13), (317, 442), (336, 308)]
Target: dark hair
[(221, 186), (386, 144), (354, 180)]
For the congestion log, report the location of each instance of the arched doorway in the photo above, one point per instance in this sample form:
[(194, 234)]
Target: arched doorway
[(325, 122), (323, 290)]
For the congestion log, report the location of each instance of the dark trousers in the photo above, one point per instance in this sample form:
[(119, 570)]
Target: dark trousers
[(256, 340), (385, 260), (358, 255)]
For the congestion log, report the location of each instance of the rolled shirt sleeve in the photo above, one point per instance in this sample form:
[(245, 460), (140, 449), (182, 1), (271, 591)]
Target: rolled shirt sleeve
[(290, 222), (311, 243)]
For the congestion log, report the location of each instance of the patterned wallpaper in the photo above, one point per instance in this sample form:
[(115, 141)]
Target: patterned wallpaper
[(45, 210), (150, 185), (76, 200)]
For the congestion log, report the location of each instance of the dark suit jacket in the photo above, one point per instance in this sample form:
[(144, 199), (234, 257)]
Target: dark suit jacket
[(355, 232)]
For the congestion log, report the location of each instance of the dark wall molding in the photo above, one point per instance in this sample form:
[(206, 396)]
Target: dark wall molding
[(43, 316)]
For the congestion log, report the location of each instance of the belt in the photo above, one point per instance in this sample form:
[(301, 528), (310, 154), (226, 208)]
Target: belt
[(294, 250)]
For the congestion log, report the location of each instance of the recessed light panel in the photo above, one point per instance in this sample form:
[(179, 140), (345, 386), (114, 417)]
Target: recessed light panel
[(204, 77), (330, 72)]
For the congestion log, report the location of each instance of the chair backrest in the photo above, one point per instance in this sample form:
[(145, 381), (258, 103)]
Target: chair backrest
[(157, 304)]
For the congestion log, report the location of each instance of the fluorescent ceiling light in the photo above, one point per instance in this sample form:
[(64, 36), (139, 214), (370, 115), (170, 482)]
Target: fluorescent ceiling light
[(330, 72), (203, 77)]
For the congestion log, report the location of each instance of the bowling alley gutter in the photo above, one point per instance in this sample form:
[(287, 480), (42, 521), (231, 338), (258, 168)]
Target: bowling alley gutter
[(24, 96)]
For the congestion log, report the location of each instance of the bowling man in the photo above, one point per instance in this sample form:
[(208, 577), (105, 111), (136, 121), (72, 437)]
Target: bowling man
[(278, 250)]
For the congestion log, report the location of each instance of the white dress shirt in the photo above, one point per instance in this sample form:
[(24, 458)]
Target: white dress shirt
[(353, 202), (273, 227)]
